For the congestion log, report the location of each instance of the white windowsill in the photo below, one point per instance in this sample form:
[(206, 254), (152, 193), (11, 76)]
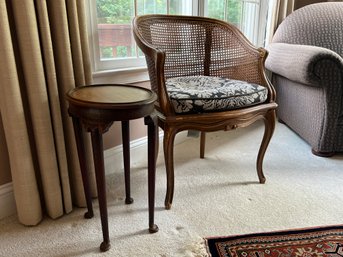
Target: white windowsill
[(121, 76)]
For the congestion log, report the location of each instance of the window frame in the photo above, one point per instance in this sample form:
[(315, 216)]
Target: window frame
[(134, 69), (105, 65)]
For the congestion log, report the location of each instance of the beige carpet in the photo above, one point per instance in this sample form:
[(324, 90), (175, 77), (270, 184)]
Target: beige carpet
[(217, 196)]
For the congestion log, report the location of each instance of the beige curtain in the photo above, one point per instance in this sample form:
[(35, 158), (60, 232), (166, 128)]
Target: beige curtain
[(282, 8), (44, 53), (278, 10)]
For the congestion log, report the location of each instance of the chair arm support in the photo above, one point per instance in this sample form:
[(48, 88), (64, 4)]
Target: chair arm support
[(300, 63)]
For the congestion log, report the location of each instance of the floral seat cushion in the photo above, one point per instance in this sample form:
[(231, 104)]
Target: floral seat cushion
[(198, 94)]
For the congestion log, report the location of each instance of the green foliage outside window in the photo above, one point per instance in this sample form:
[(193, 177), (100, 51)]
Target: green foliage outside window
[(121, 11), (216, 9), (114, 11), (106, 52)]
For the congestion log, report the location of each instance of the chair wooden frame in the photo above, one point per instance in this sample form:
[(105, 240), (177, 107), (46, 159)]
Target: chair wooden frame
[(247, 64)]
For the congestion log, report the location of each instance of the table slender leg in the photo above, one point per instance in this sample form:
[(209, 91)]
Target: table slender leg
[(125, 128), (151, 121), (82, 160), (99, 166)]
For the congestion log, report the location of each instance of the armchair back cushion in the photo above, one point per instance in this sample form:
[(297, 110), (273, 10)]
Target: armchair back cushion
[(316, 25)]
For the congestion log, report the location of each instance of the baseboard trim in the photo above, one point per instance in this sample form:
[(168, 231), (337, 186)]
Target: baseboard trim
[(7, 203), (113, 157)]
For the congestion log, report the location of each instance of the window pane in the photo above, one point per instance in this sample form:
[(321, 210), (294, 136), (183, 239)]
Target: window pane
[(114, 28), (114, 23), (234, 12), (241, 13), (151, 6), (250, 20), (228, 10), (215, 9), (183, 7), (115, 45), (114, 11)]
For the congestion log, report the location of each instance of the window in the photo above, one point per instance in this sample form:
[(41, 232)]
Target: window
[(112, 40), (247, 15)]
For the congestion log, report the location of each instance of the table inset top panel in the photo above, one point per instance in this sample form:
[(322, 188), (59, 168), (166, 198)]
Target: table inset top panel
[(110, 94)]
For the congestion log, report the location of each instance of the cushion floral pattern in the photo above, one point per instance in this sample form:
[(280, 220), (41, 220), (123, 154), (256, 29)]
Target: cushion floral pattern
[(198, 94)]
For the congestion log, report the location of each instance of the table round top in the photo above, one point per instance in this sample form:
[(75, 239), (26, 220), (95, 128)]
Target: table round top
[(110, 95)]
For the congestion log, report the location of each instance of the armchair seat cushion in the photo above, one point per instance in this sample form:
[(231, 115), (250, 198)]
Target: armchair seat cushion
[(198, 94)]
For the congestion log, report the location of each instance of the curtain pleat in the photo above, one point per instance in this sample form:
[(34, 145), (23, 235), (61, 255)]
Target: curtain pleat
[(39, 109), (43, 55), (279, 11), (75, 39), (65, 78), (53, 94), (285, 7), (84, 39), (23, 173)]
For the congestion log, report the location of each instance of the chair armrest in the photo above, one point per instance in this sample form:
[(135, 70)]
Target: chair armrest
[(300, 63)]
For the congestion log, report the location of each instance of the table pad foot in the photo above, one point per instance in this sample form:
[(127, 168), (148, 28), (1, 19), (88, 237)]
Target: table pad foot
[(88, 215), (129, 200), (153, 229), (105, 246)]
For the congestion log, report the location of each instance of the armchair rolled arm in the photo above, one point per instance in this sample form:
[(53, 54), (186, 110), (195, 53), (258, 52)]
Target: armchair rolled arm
[(300, 63)]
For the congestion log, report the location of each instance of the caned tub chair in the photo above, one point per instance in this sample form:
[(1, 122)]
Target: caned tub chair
[(207, 77)]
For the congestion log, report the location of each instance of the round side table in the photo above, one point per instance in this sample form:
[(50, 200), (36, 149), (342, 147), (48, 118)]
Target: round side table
[(95, 108)]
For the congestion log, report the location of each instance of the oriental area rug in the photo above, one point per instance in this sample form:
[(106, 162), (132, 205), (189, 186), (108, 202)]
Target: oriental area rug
[(311, 242)]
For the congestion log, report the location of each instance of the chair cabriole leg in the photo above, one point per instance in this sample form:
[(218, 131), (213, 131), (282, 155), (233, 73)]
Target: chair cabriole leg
[(269, 122), (168, 146), (202, 144)]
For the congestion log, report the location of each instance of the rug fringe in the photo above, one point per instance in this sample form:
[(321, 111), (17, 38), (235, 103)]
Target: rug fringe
[(198, 248)]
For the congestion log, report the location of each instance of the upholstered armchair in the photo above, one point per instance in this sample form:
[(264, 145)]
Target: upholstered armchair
[(207, 77), (306, 58)]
